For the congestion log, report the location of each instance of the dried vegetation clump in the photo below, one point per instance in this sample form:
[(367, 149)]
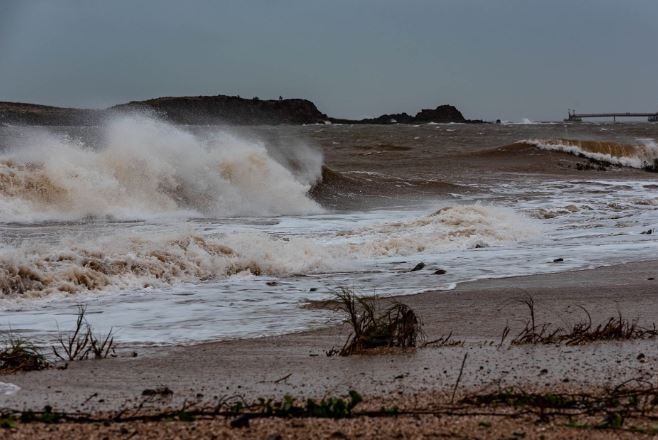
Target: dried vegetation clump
[(614, 329), (81, 342), (375, 323), (20, 355)]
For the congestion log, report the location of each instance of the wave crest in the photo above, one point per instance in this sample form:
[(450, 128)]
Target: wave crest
[(642, 155)]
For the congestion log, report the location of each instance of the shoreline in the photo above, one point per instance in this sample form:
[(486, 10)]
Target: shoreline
[(475, 312), (416, 382)]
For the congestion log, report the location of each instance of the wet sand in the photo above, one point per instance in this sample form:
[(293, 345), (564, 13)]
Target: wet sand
[(296, 364)]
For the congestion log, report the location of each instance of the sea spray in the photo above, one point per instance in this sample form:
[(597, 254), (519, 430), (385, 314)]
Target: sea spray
[(144, 167)]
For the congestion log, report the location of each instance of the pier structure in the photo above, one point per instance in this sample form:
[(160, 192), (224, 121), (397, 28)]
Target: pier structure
[(578, 117)]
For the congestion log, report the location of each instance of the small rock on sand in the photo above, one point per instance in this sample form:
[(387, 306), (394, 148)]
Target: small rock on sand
[(418, 266)]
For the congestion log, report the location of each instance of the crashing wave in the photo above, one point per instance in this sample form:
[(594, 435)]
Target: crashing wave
[(643, 155), (145, 167)]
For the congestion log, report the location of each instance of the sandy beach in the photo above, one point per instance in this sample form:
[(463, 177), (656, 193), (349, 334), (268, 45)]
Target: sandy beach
[(297, 365)]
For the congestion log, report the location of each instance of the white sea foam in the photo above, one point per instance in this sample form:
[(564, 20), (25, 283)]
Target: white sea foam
[(449, 228), (8, 389), (139, 260), (145, 167), (146, 260)]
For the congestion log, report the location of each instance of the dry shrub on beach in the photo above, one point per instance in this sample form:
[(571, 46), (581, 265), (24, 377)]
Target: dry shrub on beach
[(81, 342), (20, 355), (374, 325), (583, 332)]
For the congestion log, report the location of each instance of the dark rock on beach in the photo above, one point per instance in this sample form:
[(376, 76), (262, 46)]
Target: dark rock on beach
[(418, 267)]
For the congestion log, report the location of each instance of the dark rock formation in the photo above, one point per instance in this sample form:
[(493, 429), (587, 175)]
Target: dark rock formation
[(443, 113), (220, 109), (223, 109), (181, 110), (396, 118)]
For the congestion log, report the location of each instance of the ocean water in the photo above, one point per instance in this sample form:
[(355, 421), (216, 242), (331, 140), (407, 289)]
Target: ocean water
[(173, 234)]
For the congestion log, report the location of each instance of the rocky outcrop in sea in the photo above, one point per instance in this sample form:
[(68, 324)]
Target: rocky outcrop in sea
[(210, 110)]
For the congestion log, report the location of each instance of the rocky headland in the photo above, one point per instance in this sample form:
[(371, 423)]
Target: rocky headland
[(219, 109), (35, 114)]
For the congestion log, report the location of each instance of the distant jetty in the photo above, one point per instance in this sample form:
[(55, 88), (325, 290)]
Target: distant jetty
[(219, 109), (578, 117)]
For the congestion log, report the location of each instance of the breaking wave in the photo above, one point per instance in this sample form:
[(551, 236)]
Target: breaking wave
[(641, 155), (144, 167), (141, 262), (137, 262), (449, 228)]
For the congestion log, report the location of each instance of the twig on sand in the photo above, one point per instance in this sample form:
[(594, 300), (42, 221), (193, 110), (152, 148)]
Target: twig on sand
[(459, 378), (283, 378)]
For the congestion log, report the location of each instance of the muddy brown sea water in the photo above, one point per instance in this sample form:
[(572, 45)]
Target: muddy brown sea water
[(235, 242)]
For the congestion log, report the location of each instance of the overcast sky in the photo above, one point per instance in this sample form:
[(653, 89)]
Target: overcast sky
[(508, 59)]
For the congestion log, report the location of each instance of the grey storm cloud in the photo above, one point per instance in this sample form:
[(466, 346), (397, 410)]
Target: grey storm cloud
[(505, 59)]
